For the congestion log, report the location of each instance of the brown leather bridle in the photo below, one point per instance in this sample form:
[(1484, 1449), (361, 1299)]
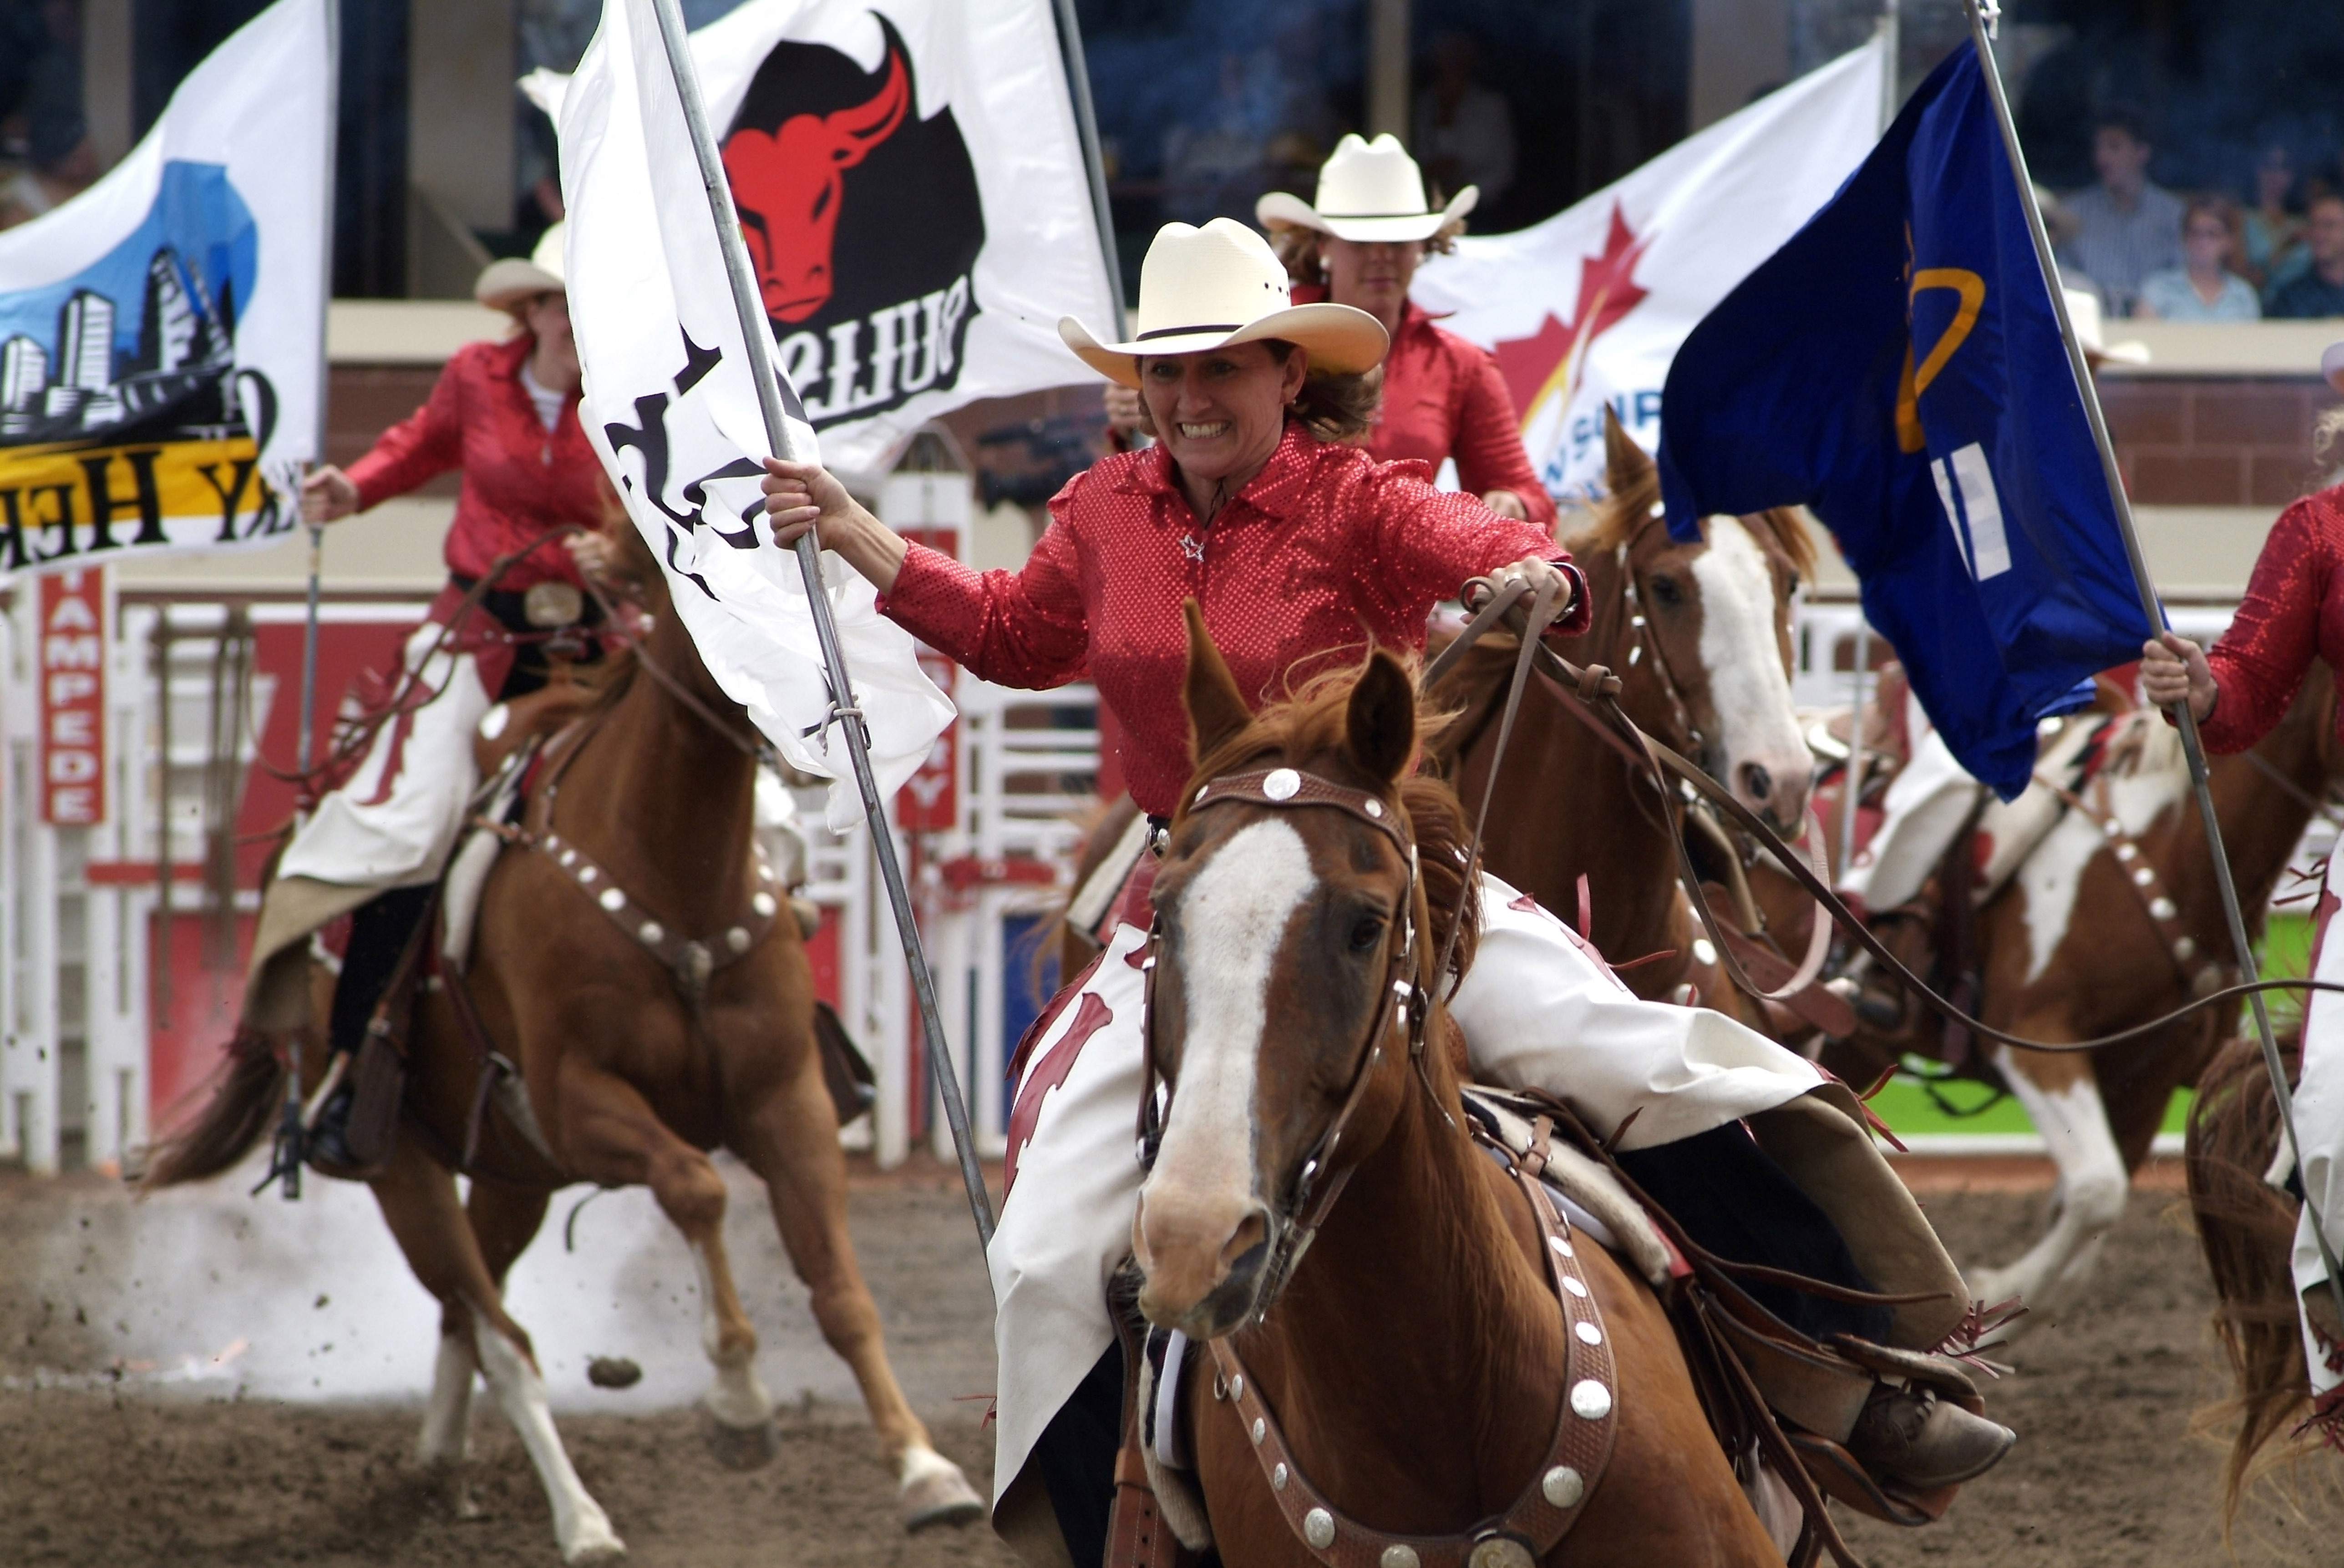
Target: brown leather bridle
[(1320, 1180)]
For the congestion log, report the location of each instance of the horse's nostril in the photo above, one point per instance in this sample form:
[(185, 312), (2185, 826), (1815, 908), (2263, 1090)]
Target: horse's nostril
[(1759, 782)]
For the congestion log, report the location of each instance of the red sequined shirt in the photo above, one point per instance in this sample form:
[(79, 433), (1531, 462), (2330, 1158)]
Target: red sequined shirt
[(520, 478), (2293, 612), (1324, 553), (1444, 397)]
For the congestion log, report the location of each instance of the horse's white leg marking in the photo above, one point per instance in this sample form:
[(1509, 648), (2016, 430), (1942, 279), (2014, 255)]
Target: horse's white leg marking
[(2090, 1199), (737, 1398), (1232, 920), (1744, 658), (580, 1528), (447, 1435)]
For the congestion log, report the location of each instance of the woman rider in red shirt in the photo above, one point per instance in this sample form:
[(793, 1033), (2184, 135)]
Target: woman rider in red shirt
[(2240, 689), (505, 415), (1302, 551), (1443, 398)]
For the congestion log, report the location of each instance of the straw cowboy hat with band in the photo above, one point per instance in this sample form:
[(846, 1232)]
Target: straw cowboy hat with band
[(1369, 191), (508, 283), (1207, 289)]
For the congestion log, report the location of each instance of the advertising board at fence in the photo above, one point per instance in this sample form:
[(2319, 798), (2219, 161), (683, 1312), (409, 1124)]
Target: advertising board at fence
[(72, 655)]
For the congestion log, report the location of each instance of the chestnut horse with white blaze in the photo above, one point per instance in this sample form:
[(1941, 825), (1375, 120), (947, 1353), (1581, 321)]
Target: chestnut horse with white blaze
[(1424, 1359), (625, 1081), (1699, 636)]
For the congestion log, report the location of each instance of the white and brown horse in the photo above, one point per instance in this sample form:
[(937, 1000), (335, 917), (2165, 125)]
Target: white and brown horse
[(655, 998), (2112, 919), (1437, 1358)]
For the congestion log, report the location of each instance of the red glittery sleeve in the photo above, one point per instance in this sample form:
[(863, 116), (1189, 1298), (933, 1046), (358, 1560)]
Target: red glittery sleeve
[(422, 446), (1429, 541), (1026, 628), (1489, 439), (2260, 661)]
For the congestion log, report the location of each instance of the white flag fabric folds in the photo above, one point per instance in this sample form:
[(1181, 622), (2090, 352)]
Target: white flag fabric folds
[(1588, 308), (670, 407), (914, 199), (161, 334)]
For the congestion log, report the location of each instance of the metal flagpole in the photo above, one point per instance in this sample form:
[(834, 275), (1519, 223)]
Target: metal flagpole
[(1078, 89), (325, 307), (1982, 13), (758, 334)]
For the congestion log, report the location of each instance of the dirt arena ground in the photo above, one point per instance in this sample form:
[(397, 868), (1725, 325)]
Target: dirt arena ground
[(231, 1458)]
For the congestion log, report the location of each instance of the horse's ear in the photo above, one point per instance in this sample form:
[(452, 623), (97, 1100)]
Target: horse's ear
[(1216, 708), (1380, 728), (1625, 464)]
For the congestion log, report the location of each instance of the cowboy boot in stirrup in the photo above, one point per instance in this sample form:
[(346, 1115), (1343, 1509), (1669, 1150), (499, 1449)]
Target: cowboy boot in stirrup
[(1913, 1436)]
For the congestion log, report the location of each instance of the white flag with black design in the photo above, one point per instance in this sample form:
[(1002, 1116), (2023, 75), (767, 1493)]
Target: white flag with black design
[(671, 409), (914, 199)]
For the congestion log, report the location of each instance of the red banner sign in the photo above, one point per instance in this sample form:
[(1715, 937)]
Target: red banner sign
[(73, 699)]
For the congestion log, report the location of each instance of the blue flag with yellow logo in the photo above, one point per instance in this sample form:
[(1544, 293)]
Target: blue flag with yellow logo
[(1899, 367)]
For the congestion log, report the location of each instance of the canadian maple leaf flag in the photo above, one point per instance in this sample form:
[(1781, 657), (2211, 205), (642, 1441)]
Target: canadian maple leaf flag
[(1588, 308)]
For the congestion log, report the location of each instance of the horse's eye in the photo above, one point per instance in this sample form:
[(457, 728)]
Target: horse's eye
[(1367, 933), (1665, 591)]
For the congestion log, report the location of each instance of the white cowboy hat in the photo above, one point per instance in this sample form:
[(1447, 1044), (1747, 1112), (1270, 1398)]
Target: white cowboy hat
[(2331, 365), (1203, 288), (505, 283), (1367, 191), (2084, 311)]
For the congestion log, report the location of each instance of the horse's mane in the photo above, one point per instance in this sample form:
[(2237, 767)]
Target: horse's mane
[(1307, 730), (1620, 515)]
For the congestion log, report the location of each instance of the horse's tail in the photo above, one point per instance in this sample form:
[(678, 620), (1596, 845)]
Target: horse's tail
[(245, 1096), (2247, 1233)]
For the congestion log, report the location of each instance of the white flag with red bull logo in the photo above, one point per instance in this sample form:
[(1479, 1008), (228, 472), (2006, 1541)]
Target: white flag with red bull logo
[(914, 200), (1587, 309), (670, 408)]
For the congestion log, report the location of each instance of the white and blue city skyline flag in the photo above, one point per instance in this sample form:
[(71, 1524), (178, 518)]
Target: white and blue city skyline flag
[(670, 406), (161, 334), (1898, 366)]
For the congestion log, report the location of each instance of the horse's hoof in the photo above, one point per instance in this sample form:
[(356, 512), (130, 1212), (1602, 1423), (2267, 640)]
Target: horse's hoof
[(935, 1491), (599, 1556), (742, 1447)]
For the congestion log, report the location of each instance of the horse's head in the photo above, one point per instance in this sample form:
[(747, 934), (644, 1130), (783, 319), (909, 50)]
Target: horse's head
[(1702, 631), (1293, 942)]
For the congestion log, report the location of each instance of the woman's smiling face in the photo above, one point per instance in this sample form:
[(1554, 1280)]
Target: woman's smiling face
[(1221, 414)]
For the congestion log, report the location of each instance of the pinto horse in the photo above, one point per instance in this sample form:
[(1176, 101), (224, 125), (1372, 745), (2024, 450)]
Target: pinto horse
[(1699, 636), (2099, 931), (1422, 1368), (626, 1078)]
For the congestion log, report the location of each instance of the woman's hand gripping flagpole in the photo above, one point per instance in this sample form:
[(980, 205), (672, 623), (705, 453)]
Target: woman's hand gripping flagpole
[(1983, 15), (842, 710)]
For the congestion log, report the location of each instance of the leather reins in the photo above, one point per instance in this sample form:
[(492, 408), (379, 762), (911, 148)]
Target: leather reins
[(1597, 689)]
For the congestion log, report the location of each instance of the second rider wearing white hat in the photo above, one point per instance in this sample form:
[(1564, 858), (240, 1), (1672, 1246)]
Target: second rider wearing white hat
[(1442, 396)]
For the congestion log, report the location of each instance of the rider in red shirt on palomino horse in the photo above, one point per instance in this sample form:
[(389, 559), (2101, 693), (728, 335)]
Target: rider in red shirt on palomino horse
[(505, 415), (2240, 689), (1302, 551)]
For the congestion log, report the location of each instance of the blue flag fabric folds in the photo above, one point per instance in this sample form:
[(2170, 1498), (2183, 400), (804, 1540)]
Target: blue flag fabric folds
[(1898, 366)]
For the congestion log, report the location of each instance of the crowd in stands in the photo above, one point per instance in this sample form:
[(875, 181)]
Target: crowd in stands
[(2207, 256)]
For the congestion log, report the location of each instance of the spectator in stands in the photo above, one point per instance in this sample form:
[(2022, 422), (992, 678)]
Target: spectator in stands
[(64, 165), (1464, 129), (2320, 290), (2274, 227), (2203, 287), (2127, 227)]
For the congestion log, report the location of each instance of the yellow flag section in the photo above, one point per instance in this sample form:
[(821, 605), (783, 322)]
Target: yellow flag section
[(60, 503)]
